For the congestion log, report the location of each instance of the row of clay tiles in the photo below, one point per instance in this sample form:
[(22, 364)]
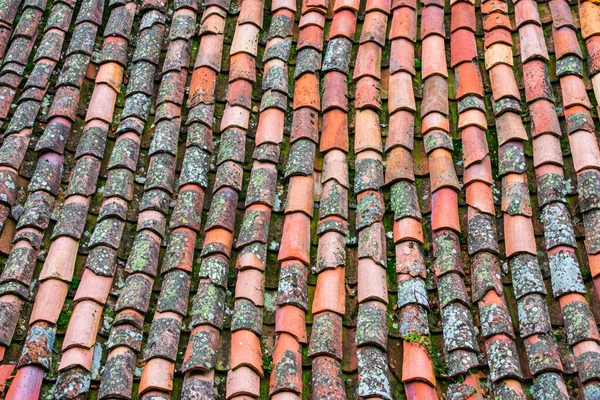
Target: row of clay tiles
[(525, 271)]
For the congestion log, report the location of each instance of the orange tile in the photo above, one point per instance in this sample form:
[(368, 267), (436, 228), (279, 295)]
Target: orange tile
[(246, 351), (158, 375), (330, 293), (584, 148), (546, 149), (343, 25), (306, 92), (442, 170), (290, 319), (335, 131), (431, 48), (300, 195), (372, 284), (408, 229), (444, 213), (270, 126), (295, 241), (518, 235), (416, 364), (399, 165), (83, 325), (250, 285), (367, 131)]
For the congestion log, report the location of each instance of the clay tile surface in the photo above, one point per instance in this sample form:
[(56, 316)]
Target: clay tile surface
[(383, 199)]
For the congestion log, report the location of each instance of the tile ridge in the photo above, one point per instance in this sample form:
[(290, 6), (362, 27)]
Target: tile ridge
[(567, 282), (417, 367), (208, 308), (58, 267), (126, 333), (372, 328), (483, 248), (328, 307), (294, 251), (96, 282), (243, 377), (460, 343), (45, 182), (521, 252)]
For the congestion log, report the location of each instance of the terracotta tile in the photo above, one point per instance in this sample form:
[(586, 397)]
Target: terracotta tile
[(584, 148), (345, 4), (401, 96), (499, 53), (468, 80), (432, 22), (295, 242), (503, 82), (480, 197), (565, 43), (250, 285), (435, 121), (402, 57), (416, 364), (497, 21), (589, 17), (343, 25), (546, 149), (573, 91), (526, 12), (462, 47), (76, 356), (408, 229), (536, 81), (158, 376), (405, 26), (60, 259), (367, 135), (245, 350), (463, 16), (444, 213), (532, 43), (306, 93), (432, 47), (51, 295), (367, 93), (475, 146), (420, 390), (290, 319), (379, 5), (83, 325), (442, 170), (368, 61), (337, 90), (245, 40), (311, 18), (312, 37), (543, 118), (399, 165), (518, 234), (335, 131), (497, 36), (371, 281), (330, 294), (300, 195)]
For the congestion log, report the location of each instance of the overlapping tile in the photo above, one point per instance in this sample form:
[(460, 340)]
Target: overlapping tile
[(376, 317)]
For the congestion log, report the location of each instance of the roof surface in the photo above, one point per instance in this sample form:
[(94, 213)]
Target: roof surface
[(299, 200)]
